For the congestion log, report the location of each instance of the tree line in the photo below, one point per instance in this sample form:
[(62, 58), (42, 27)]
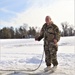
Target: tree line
[(31, 32), (68, 30)]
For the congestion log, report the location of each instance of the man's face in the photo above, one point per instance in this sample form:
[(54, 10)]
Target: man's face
[(48, 19)]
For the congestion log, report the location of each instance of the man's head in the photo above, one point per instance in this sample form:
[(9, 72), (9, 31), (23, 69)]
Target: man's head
[(48, 20)]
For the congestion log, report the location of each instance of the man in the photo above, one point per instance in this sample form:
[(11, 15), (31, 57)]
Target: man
[(51, 35)]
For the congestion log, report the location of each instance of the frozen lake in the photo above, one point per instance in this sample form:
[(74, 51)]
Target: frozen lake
[(18, 54)]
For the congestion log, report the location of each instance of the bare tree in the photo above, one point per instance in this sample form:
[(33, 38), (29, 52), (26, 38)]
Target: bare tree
[(65, 28)]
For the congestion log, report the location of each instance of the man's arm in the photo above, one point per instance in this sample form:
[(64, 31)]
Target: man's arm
[(41, 35), (57, 34)]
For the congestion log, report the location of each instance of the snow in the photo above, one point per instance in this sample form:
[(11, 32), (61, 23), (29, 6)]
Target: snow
[(23, 54)]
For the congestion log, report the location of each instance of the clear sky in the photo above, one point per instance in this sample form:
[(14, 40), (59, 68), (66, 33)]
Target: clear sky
[(32, 12)]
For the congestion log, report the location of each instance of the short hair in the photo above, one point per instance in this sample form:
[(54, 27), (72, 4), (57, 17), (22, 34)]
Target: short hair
[(48, 17)]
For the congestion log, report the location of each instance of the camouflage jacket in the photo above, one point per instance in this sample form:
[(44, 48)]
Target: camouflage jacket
[(49, 33)]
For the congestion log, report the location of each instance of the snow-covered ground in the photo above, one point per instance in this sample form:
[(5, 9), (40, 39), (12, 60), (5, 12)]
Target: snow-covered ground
[(21, 54)]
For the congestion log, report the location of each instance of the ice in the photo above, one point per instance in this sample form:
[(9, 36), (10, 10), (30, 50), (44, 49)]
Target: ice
[(20, 54)]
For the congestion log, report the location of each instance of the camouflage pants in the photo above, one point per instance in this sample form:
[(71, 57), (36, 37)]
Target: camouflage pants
[(51, 54)]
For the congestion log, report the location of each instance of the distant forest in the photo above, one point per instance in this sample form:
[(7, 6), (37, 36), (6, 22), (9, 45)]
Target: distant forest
[(31, 32)]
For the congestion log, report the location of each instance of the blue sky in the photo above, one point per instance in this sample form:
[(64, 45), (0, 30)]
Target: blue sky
[(9, 8), (17, 12)]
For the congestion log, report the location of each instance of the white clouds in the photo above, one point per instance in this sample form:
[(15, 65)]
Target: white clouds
[(60, 11), (7, 11)]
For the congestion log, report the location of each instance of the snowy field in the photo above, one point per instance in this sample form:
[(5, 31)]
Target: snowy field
[(23, 54)]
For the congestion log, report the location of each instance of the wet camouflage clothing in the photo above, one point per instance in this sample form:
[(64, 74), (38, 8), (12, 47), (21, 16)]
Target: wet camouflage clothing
[(49, 33)]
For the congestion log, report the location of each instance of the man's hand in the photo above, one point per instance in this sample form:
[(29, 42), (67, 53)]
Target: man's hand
[(55, 41), (36, 38)]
